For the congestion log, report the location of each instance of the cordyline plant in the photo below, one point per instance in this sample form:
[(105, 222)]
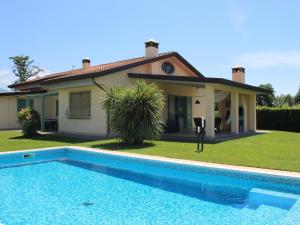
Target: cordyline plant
[(135, 112), (30, 121)]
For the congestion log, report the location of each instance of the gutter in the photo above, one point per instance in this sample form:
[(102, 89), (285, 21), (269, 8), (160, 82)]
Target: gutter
[(107, 113)]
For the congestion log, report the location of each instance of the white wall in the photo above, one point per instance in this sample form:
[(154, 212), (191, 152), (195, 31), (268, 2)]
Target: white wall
[(8, 113)]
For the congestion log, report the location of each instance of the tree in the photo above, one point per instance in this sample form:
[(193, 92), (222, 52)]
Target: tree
[(23, 68), (297, 97), (280, 101), (135, 112), (267, 99), (289, 100), (284, 100)]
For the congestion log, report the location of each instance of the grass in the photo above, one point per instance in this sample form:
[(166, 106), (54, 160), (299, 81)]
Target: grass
[(275, 150)]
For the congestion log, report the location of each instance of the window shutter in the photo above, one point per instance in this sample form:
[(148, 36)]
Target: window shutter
[(80, 105)]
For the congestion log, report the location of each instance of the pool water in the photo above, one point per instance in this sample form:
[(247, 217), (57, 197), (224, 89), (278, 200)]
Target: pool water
[(69, 186)]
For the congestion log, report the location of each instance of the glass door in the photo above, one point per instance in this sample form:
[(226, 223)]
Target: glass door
[(179, 112)]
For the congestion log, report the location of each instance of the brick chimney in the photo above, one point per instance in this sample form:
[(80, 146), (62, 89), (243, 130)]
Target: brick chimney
[(86, 63), (238, 74), (151, 48)]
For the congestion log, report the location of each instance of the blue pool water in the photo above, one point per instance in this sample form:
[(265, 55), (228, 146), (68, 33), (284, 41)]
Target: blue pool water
[(69, 186)]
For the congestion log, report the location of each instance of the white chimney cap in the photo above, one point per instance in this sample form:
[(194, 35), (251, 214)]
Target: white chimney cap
[(238, 66), (151, 40)]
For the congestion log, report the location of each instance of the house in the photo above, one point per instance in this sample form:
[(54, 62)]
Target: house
[(71, 101)]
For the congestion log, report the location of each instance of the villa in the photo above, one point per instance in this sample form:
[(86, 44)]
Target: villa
[(71, 101)]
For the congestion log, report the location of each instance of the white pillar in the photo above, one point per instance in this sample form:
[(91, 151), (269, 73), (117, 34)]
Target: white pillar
[(42, 113), (252, 112), (244, 102), (234, 112), (210, 111)]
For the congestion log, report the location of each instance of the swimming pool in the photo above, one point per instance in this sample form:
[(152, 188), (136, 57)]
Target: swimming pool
[(82, 186)]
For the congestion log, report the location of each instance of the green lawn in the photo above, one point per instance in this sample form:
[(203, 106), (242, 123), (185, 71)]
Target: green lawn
[(275, 150)]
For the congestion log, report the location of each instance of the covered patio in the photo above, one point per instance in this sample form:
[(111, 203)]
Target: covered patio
[(46, 104), (228, 107)]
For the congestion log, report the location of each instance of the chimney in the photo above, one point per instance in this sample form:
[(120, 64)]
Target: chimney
[(238, 74), (151, 48), (86, 63)]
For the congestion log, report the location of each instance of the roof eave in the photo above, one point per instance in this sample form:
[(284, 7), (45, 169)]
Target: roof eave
[(235, 84), (197, 79), (17, 93)]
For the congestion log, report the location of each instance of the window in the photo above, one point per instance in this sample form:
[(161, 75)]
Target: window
[(80, 105), (168, 67), (21, 103)]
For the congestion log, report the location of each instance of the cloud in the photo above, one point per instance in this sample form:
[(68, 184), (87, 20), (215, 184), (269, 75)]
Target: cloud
[(6, 78), (239, 18), (265, 59), (237, 14)]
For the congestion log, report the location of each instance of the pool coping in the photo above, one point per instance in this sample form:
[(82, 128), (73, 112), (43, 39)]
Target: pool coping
[(261, 171)]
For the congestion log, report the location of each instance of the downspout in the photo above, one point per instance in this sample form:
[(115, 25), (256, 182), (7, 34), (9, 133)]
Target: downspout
[(107, 113)]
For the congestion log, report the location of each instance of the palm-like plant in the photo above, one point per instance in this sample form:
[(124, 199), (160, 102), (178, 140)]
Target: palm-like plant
[(135, 112)]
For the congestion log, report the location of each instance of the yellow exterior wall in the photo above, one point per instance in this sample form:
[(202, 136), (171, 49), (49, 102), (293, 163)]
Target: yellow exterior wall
[(8, 113), (156, 68), (97, 124), (50, 107)]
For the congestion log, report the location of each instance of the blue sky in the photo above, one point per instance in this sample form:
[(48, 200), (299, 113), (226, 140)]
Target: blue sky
[(215, 35)]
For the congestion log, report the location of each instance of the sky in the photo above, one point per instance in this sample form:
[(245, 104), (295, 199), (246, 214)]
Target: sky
[(213, 36)]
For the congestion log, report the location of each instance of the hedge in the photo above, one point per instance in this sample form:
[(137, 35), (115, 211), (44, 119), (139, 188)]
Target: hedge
[(286, 119)]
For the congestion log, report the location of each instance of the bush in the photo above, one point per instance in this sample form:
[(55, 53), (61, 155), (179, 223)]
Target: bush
[(135, 112), (286, 119), (30, 121)]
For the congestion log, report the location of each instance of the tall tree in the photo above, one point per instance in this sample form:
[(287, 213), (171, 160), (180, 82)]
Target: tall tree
[(297, 97), (267, 99), (280, 100), (23, 67), (289, 100)]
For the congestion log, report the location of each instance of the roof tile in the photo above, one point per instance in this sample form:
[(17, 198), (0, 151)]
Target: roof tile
[(90, 70)]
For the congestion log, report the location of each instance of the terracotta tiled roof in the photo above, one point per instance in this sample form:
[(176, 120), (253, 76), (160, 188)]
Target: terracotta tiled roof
[(102, 68)]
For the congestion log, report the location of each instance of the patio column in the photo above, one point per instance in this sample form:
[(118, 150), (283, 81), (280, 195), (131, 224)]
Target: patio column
[(244, 101), (210, 111), (234, 112), (252, 112), (42, 113)]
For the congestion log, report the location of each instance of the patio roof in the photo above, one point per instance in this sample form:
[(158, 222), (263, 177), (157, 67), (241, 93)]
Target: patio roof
[(18, 93), (196, 80)]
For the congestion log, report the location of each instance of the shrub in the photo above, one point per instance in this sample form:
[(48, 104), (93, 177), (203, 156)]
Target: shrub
[(286, 118), (135, 112), (30, 121)]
